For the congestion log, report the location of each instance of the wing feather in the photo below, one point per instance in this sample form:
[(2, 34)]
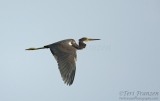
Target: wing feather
[(65, 56)]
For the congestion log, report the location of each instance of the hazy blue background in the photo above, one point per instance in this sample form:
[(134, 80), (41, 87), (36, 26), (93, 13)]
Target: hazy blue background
[(126, 59)]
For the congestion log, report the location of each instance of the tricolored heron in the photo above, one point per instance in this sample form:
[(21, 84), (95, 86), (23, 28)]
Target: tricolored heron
[(64, 52)]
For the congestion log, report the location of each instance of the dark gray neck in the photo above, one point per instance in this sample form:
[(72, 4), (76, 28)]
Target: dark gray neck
[(80, 46)]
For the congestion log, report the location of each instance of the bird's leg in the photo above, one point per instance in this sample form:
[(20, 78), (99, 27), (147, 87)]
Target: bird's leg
[(35, 48)]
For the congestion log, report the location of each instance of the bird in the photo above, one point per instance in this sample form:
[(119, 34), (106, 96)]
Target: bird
[(64, 52)]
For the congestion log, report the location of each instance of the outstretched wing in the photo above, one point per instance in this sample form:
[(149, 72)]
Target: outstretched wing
[(66, 59), (67, 67)]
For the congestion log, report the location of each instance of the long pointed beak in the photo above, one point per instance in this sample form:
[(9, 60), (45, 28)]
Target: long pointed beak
[(90, 39)]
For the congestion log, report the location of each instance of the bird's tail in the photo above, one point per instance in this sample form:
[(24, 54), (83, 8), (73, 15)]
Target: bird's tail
[(32, 48)]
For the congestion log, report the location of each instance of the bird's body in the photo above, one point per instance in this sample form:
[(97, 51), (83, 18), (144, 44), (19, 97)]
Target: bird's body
[(64, 52)]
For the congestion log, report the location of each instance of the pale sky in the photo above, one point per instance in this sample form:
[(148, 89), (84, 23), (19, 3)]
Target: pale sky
[(127, 58)]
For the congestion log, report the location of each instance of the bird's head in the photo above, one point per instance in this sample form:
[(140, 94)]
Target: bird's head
[(84, 39)]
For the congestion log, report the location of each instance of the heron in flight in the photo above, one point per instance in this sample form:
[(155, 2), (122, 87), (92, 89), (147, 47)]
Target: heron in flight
[(64, 52)]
